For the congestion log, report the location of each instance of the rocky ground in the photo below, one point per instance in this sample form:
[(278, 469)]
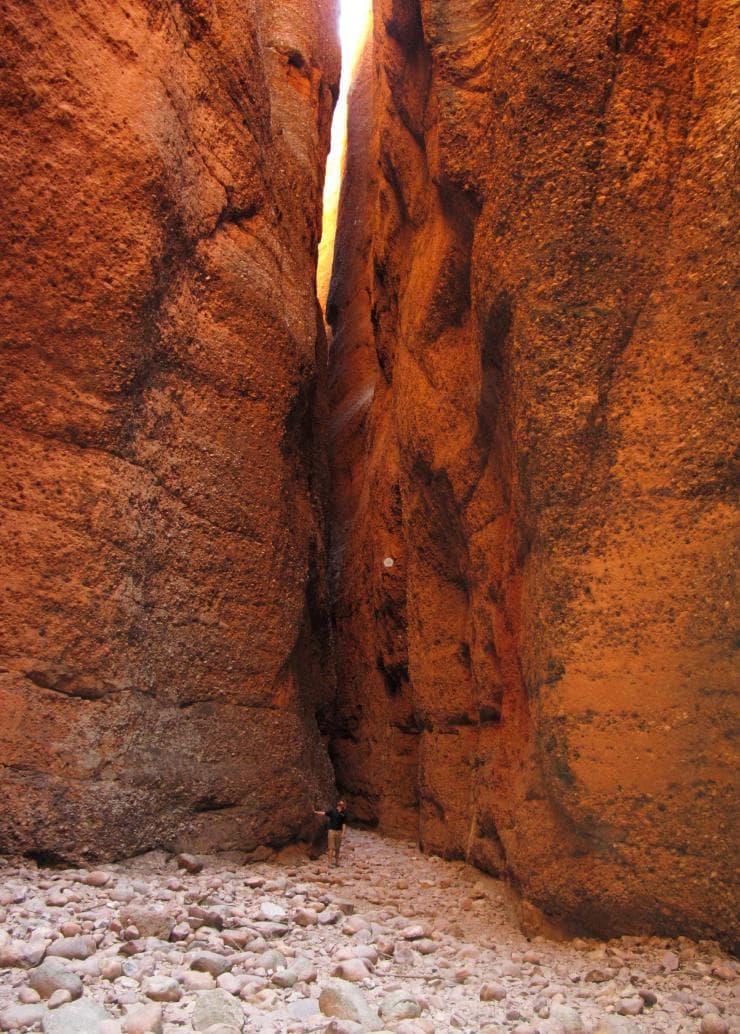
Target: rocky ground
[(390, 941)]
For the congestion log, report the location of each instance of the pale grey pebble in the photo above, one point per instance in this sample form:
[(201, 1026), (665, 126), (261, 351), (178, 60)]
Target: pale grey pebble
[(162, 989), (492, 993), (355, 970), (632, 1006), (212, 1007), (568, 1018), (143, 1019), (16, 1017), (616, 1025), (54, 975), (341, 1000), (414, 1027), (81, 1017), (211, 962), (27, 996), (57, 998), (72, 948), (400, 1005)]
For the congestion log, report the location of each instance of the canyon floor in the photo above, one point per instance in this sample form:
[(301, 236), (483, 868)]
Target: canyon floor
[(391, 940)]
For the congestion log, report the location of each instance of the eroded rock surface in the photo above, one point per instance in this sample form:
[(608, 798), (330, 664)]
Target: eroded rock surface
[(531, 378), (160, 533)]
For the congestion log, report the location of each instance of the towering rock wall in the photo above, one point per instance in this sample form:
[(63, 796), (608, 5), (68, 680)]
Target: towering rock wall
[(531, 380), (159, 527)]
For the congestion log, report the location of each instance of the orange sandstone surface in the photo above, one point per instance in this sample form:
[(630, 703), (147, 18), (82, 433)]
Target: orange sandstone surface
[(162, 611), (530, 447)]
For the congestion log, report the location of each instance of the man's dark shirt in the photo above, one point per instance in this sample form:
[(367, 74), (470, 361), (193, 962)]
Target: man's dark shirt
[(336, 819)]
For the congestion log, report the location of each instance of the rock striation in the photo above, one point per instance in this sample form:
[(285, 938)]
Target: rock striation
[(161, 530), (532, 502)]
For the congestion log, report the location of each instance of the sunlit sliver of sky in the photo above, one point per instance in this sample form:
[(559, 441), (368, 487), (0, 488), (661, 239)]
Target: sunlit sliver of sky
[(354, 25)]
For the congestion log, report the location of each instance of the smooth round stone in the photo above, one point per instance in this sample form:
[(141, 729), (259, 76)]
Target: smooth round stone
[(73, 947), (17, 1017), (271, 911), (162, 989), (97, 878), (414, 932), (214, 1007), (305, 917), (357, 951), (109, 1027), (568, 1018), (210, 962), (192, 980), (400, 1005), (714, 1024), (111, 969), (616, 1025), (145, 1019), (355, 970), (271, 960), (54, 975), (632, 1006), (492, 993), (28, 996), (60, 997), (81, 1017), (344, 1001)]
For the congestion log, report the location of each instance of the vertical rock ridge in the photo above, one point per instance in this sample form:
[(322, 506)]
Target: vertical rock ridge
[(531, 375)]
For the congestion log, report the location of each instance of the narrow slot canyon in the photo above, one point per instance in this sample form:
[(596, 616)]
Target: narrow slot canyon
[(431, 506)]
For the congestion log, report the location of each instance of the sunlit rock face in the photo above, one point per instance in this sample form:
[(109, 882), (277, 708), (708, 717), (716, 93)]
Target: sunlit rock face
[(531, 375), (162, 620)]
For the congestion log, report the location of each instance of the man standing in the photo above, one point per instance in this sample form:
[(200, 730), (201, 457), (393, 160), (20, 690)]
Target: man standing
[(336, 820)]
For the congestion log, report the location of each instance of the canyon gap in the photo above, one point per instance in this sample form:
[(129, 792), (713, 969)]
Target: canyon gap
[(527, 421)]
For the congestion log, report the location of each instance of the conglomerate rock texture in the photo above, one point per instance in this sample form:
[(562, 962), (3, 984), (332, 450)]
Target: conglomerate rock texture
[(531, 377), (161, 540)]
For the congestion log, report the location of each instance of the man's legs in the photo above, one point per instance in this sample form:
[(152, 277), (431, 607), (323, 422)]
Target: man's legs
[(333, 846)]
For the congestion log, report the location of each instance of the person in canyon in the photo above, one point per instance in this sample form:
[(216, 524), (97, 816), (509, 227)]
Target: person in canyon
[(336, 819)]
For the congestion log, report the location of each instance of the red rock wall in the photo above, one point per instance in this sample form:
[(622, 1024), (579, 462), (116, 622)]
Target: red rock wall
[(531, 378), (161, 537)]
